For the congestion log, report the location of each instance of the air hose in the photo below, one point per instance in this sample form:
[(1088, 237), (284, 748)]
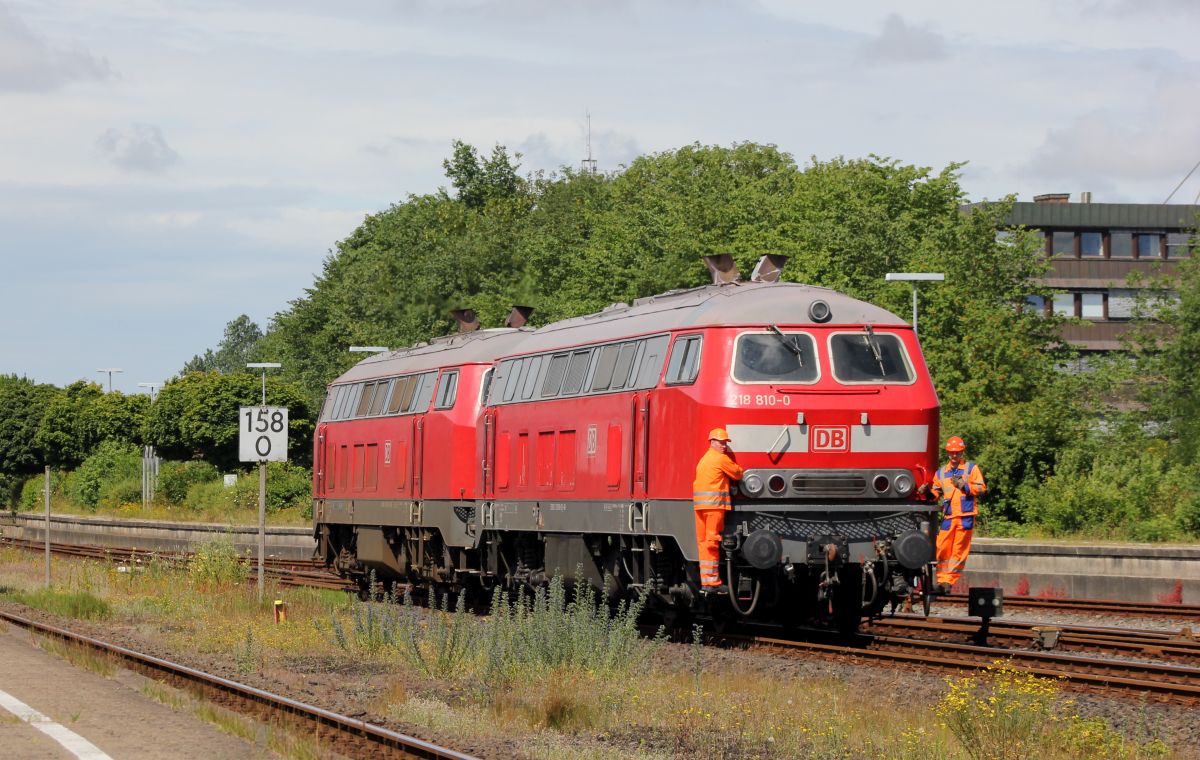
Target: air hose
[(733, 597)]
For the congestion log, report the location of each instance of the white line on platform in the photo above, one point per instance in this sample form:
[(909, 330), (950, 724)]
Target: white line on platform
[(73, 742)]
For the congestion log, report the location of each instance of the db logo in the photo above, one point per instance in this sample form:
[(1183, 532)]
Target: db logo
[(829, 439)]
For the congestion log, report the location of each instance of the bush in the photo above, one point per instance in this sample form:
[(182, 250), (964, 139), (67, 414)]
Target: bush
[(175, 479), (288, 486), (33, 496), (217, 563), (111, 462), (115, 494), (78, 604)]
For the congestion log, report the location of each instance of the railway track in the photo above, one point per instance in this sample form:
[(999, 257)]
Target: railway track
[(1091, 606), (1179, 647), (348, 736), (1129, 679)]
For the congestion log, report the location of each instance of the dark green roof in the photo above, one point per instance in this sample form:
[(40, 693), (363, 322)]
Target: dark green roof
[(1129, 216)]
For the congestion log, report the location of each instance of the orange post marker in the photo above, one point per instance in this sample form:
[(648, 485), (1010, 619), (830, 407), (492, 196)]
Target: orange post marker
[(280, 611)]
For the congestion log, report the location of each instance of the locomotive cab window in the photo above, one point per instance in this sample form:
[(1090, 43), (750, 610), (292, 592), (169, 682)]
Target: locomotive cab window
[(447, 390), (775, 357), (869, 357), (685, 360)]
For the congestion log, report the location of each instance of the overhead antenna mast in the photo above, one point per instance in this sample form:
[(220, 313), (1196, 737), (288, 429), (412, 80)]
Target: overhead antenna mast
[(589, 163)]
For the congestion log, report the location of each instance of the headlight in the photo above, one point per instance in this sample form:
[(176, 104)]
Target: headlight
[(903, 484), (752, 485)]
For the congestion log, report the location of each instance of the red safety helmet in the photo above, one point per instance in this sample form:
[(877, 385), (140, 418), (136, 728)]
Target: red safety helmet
[(719, 434), (954, 443)]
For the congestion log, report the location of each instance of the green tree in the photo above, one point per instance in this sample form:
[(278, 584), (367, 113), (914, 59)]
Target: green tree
[(22, 405), (237, 347), (81, 416), (196, 417)]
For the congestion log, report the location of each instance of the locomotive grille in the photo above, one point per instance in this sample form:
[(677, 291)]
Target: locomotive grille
[(832, 484), (855, 530), (465, 513)]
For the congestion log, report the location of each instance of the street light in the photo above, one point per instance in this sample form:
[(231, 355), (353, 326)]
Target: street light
[(368, 349), (153, 389), (913, 278), (111, 371), (264, 366)]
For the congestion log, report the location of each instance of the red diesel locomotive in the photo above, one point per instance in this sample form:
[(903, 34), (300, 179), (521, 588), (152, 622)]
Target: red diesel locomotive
[(504, 456)]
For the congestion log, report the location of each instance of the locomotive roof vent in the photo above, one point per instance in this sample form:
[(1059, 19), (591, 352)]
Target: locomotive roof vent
[(518, 316), (466, 319), (769, 268), (819, 311), (724, 270)]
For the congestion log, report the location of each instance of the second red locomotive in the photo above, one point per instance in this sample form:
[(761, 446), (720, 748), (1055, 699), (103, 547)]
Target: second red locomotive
[(505, 456)]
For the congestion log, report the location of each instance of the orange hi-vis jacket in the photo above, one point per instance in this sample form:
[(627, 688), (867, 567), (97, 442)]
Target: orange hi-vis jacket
[(715, 469), (958, 503)]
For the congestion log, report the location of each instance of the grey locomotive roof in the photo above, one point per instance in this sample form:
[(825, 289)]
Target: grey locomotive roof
[(754, 303)]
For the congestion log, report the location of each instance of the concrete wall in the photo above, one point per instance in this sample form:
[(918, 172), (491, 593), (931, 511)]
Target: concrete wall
[(283, 542), (1125, 572)]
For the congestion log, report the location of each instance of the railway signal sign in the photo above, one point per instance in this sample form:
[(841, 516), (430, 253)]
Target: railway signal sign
[(263, 434)]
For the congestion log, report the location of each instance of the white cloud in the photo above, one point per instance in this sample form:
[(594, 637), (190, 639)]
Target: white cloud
[(900, 43), (28, 63), (141, 148)]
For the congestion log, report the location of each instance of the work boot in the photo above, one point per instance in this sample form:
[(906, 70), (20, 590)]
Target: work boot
[(715, 590), (942, 589)]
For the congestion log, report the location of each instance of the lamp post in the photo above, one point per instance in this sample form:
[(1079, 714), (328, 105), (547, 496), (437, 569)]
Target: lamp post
[(152, 389), (912, 278), (368, 349), (262, 482), (111, 371)]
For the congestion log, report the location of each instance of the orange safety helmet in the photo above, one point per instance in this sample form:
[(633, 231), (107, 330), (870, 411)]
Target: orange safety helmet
[(719, 434), (954, 443)]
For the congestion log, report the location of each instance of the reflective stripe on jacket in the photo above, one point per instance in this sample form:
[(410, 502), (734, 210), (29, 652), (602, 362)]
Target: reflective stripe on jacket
[(959, 502), (710, 490)]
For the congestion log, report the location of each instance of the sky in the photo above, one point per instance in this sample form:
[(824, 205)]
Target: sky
[(166, 166)]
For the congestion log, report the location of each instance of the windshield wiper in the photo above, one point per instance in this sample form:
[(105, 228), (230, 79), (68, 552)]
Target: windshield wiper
[(789, 343), (874, 346)]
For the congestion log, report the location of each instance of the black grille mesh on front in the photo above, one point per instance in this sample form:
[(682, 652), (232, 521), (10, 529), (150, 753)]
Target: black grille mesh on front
[(858, 528)]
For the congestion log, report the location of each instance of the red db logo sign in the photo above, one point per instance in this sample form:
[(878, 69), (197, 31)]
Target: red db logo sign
[(829, 439)]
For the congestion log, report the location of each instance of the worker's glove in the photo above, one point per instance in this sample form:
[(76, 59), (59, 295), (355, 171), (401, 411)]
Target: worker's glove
[(923, 489), (957, 481)]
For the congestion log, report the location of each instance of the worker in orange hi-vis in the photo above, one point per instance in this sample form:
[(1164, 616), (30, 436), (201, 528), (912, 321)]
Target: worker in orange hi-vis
[(957, 486), (711, 499)]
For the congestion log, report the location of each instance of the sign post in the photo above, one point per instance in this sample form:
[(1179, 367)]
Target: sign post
[(262, 438), (47, 527)]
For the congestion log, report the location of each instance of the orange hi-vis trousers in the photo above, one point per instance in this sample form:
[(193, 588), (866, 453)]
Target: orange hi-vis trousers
[(953, 545), (709, 524)]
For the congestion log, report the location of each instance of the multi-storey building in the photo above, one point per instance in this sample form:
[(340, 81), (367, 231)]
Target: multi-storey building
[(1094, 247)]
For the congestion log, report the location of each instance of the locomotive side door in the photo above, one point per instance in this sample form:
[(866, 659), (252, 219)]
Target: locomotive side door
[(418, 455), (639, 446), (321, 461), (488, 461)]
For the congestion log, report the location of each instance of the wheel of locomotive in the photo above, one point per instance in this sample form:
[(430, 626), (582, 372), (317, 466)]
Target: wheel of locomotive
[(847, 600)]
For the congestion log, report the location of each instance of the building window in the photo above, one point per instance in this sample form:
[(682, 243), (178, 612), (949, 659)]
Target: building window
[(1120, 244), (1035, 305), (1091, 244), (1062, 244), (1121, 303), (1064, 304), (1091, 305), (1147, 246), (1179, 245)]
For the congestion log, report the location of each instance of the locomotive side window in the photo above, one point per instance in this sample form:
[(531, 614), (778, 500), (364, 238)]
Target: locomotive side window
[(364, 401), (485, 385), (402, 394), (381, 394), (869, 357), (775, 357), (447, 390), (649, 364), (531, 377), (327, 407), (685, 360), (513, 377), (605, 364), (424, 394), (624, 362), (554, 375), (576, 371)]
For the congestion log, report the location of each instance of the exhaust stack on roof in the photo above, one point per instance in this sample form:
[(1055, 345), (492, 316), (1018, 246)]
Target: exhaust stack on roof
[(769, 268), (518, 316), (724, 270), (466, 319)]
